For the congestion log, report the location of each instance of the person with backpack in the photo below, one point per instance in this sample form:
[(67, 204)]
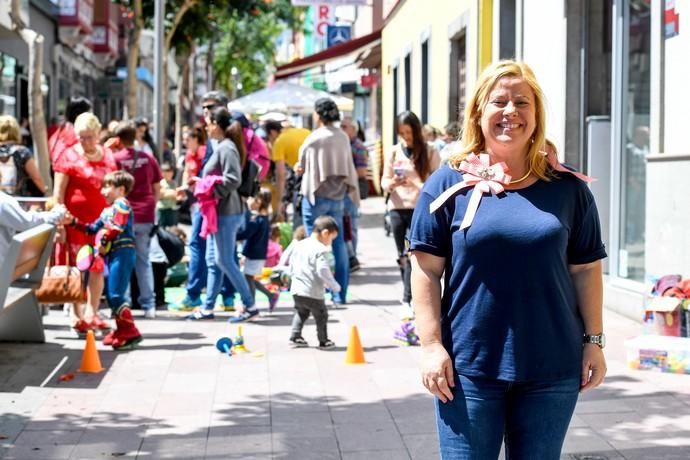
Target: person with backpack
[(227, 161), (198, 271), (19, 174)]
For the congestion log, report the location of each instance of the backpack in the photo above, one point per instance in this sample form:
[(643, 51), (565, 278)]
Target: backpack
[(257, 152), (172, 245), (250, 179)]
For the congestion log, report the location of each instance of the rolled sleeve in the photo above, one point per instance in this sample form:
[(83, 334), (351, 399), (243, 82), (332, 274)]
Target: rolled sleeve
[(429, 232)]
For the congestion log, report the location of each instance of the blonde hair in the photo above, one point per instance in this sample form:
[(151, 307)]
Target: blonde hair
[(9, 129), (472, 136), (87, 121)]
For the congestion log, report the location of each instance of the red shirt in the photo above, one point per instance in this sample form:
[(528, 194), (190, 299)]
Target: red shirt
[(83, 197), (146, 173), (193, 161)]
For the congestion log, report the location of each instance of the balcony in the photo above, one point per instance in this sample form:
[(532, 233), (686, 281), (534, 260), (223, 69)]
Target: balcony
[(75, 20), (104, 37)]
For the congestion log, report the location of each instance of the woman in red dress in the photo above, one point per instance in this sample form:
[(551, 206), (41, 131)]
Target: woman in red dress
[(79, 173)]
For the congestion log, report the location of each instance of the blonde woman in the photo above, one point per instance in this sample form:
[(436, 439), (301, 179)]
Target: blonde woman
[(516, 333), (79, 173), (19, 173)]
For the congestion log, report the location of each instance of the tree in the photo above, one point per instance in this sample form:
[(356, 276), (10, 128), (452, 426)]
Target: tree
[(247, 43), (37, 120)]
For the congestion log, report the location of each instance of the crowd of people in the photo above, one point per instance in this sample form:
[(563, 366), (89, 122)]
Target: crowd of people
[(251, 191)]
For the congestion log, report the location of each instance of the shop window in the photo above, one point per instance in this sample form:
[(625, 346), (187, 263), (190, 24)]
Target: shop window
[(395, 104), (458, 70), (8, 86), (408, 82), (425, 82), (506, 38), (635, 141)]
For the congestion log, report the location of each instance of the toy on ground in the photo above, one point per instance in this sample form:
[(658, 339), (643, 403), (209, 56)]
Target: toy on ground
[(238, 346), (406, 334), (224, 345)]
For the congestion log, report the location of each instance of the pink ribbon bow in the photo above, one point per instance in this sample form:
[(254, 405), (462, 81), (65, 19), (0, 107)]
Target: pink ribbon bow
[(552, 158), (480, 174), (486, 178)]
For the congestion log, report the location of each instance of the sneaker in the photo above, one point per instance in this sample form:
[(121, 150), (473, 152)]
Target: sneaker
[(199, 315), (326, 344), (273, 300), (98, 324), (81, 327), (187, 304), (150, 313), (354, 264), (298, 342), (406, 334), (126, 334), (244, 316)]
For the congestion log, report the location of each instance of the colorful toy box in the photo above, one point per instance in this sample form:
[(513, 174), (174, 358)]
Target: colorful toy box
[(659, 353)]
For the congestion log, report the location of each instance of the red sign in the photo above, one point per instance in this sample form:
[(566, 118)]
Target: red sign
[(369, 81)]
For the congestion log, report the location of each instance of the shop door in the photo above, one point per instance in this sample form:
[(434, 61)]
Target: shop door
[(630, 140)]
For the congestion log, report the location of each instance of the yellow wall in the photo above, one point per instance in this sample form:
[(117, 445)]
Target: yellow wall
[(405, 31)]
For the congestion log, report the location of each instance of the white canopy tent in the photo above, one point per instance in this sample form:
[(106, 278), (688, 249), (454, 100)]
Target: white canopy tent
[(287, 98)]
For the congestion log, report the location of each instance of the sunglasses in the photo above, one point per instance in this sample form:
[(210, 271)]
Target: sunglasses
[(208, 106)]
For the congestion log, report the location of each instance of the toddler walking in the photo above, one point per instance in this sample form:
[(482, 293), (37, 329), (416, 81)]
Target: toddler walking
[(114, 231), (256, 236), (310, 275)]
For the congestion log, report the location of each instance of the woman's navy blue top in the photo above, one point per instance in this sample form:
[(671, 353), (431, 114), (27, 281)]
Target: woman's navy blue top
[(509, 308)]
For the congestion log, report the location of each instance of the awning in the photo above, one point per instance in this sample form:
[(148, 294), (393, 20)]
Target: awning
[(364, 45)]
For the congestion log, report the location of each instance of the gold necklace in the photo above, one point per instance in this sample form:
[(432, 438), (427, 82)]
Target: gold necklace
[(520, 179)]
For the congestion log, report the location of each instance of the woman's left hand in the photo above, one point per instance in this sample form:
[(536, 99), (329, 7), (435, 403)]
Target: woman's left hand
[(593, 367)]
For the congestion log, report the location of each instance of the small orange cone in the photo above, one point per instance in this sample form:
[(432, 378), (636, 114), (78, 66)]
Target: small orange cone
[(354, 353), (90, 362)]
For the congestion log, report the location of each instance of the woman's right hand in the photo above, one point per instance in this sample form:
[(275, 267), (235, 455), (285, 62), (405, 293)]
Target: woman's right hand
[(437, 371)]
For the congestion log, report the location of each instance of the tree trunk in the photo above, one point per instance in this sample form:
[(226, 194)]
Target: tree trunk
[(168, 45), (37, 120), (133, 60), (178, 107)]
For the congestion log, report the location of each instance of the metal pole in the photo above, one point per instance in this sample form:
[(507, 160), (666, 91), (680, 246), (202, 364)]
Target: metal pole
[(158, 78)]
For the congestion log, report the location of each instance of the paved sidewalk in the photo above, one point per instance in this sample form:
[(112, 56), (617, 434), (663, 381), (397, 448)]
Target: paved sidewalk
[(177, 397)]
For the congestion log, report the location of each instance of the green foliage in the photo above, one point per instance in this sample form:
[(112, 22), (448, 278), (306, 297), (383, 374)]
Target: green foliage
[(248, 42)]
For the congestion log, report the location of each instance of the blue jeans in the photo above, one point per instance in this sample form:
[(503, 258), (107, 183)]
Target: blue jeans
[(532, 417), (352, 211), (221, 259), (333, 208), (120, 266), (196, 280), (142, 240)]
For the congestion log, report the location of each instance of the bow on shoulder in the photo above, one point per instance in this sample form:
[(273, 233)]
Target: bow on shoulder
[(478, 172)]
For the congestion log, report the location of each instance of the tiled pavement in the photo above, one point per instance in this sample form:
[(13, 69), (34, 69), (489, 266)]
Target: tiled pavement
[(177, 397)]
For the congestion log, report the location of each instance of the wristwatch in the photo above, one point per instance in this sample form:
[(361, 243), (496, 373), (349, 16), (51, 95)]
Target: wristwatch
[(596, 339)]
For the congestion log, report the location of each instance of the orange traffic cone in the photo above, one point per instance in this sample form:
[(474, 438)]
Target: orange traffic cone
[(90, 362), (354, 353)]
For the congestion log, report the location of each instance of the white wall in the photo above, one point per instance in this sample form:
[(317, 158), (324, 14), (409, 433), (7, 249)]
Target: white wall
[(677, 71), (545, 51)]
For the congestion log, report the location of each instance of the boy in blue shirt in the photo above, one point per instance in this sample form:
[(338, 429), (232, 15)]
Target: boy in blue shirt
[(114, 231)]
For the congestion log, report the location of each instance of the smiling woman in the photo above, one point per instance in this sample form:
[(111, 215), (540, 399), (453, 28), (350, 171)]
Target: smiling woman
[(516, 332)]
